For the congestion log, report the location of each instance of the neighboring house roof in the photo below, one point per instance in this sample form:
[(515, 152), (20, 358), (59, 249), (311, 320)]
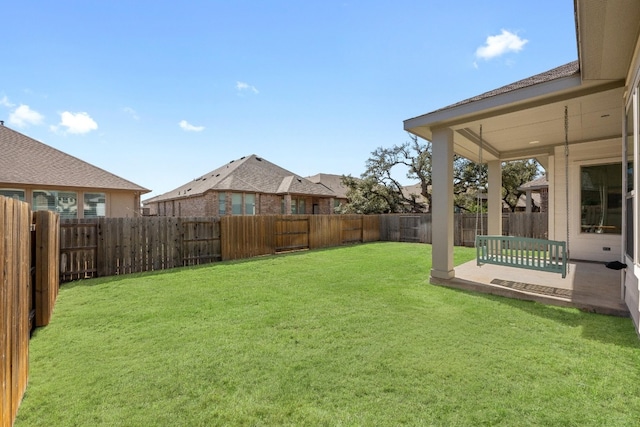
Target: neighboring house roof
[(536, 184), (415, 189), (334, 182), (27, 161), (251, 174)]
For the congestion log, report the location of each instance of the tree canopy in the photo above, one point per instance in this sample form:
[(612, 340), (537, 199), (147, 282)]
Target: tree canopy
[(379, 191)]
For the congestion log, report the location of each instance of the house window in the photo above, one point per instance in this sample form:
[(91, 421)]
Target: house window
[(63, 202), (236, 203), (222, 203), (249, 204), (95, 205), (601, 198), (13, 194), (298, 206)]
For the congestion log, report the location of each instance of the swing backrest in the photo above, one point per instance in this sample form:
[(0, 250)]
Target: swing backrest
[(523, 252)]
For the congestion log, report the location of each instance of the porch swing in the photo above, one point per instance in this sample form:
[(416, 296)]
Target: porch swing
[(525, 252)]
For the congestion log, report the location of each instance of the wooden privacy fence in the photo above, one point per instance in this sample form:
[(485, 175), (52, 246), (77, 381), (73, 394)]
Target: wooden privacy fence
[(44, 264), (112, 246), (418, 228), (249, 236), (28, 291), (15, 297), (406, 228)]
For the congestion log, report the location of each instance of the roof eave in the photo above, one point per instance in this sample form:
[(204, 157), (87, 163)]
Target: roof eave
[(422, 125)]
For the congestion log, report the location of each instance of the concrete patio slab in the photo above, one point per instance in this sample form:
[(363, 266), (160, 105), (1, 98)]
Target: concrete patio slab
[(588, 286)]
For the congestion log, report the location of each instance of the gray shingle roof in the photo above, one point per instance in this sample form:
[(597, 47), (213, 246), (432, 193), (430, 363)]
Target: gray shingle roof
[(23, 160), (334, 182), (567, 70), (248, 174), (536, 184)]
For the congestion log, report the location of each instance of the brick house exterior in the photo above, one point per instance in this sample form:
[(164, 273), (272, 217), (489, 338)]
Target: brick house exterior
[(250, 185)]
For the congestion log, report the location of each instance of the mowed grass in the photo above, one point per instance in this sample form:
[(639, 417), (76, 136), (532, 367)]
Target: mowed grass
[(350, 336)]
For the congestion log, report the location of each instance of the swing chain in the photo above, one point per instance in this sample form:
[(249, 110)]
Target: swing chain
[(566, 172)]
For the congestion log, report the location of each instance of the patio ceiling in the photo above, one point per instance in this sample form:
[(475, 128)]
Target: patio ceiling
[(527, 122)]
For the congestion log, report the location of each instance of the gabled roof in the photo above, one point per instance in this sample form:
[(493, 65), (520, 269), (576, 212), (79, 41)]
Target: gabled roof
[(25, 161), (251, 174), (334, 182)]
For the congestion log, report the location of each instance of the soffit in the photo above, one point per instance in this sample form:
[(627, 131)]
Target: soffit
[(607, 32), (511, 123)]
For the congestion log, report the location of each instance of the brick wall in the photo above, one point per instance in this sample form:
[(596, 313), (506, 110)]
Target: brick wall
[(208, 205)]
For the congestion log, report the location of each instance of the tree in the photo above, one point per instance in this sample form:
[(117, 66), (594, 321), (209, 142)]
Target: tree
[(368, 196), (378, 191), (468, 179), (514, 174), (415, 155)]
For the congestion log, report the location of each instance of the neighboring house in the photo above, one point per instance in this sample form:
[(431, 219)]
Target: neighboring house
[(536, 195), (415, 191), (334, 182), (250, 185), (580, 121), (49, 179)]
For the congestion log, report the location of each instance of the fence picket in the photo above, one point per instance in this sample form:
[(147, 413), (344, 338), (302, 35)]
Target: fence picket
[(15, 255)]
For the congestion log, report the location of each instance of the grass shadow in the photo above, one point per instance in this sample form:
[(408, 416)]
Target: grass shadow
[(594, 326)]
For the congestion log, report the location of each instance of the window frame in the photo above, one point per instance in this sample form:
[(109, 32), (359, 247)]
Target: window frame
[(602, 228), (222, 204), (56, 206), (236, 208), (13, 196), (84, 204)]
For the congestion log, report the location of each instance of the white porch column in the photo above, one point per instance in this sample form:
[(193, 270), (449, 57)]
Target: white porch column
[(494, 192), (442, 211)]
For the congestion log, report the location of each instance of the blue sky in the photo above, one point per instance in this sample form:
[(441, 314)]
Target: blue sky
[(162, 92)]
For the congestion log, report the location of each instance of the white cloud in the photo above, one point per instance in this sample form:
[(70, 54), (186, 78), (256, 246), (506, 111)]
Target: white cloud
[(130, 111), (188, 127), (4, 101), (243, 87), (24, 116), (76, 123), (498, 45)]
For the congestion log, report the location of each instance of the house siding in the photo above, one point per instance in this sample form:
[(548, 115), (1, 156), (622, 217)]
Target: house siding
[(583, 246), (632, 272)]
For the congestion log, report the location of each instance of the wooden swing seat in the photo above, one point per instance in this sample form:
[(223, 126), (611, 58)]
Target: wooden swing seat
[(523, 252)]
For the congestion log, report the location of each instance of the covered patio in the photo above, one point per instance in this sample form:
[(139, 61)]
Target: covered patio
[(589, 286), (580, 122)]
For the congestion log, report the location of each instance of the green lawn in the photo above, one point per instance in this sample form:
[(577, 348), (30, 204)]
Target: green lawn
[(340, 337)]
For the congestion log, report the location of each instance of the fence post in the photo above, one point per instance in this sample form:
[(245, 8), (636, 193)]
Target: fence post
[(47, 263)]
